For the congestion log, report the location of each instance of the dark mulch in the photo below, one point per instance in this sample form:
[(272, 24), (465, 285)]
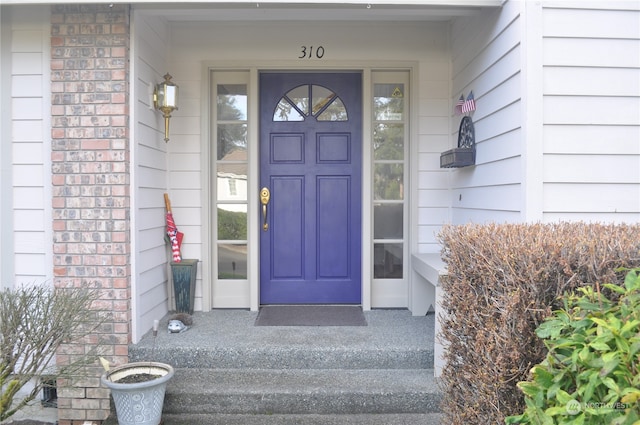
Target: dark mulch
[(137, 378)]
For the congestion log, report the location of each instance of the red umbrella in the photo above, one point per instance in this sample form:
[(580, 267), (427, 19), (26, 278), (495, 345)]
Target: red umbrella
[(175, 237)]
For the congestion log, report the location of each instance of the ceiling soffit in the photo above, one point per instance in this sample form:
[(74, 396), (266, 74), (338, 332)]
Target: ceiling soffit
[(310, 11)]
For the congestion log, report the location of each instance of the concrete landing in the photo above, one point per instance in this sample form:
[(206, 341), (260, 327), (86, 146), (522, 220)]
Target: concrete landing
[(228, 339)]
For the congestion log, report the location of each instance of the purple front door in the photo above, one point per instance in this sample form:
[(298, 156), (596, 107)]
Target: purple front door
[(310, 163)]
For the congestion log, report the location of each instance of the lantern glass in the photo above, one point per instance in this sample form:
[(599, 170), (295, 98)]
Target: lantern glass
[(170, 96), (159, 96)]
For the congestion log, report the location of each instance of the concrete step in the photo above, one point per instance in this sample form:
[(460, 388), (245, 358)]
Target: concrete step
[(312, 391), (362, 419), (288, 357)]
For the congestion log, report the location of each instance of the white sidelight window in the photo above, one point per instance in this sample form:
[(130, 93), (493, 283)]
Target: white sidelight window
[(230, 168), (390, 135)]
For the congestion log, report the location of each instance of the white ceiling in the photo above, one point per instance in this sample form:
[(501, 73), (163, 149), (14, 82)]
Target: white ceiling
[(300, 10), (312, 11)]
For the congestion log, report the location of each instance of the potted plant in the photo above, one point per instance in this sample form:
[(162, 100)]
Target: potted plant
[(138, 389)]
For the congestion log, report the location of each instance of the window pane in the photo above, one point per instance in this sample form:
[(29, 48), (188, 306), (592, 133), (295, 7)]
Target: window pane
[(388, 141), (232, 261), (232, 102), (232, 222), (335, 112), (321, 97), (388, 181), (388, 102), (388, 220), (231, 182), (232, 141), (387, 261), (286, 112), (300, 97)]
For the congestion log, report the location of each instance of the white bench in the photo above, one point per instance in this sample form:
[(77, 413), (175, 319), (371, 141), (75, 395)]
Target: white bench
[(428, 270)]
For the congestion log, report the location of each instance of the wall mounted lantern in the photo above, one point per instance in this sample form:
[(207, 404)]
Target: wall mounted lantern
[(165, 100)]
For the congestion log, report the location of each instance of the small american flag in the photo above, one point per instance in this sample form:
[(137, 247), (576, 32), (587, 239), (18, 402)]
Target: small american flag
[(458, 108), (469, 104)]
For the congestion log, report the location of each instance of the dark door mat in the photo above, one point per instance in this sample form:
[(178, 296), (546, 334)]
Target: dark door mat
[(311, 315)]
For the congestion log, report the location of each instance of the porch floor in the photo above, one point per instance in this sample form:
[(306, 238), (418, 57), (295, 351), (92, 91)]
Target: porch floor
[(226, 332)]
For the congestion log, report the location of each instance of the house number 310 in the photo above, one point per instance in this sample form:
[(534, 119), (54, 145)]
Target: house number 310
[(309, 52)]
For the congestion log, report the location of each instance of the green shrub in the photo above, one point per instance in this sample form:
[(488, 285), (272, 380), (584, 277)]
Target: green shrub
[(503, 281), (590, 374)]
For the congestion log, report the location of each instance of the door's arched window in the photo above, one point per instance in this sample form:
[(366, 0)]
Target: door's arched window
[(310, 101)]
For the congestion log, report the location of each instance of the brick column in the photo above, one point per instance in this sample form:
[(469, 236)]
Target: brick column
[(90, 172)]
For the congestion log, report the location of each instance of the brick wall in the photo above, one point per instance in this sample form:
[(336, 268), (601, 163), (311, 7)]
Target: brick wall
[(90, 166)]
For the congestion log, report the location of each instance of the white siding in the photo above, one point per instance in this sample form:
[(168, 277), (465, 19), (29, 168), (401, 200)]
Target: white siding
[(432, 201), (185, 167), (150, 283), (591, 101), (6, 215), (27, 186), (487, 56), (557, 87)]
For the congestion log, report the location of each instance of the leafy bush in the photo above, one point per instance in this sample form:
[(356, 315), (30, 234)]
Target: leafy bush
[(590, 374), (35, 321), (503, 281)]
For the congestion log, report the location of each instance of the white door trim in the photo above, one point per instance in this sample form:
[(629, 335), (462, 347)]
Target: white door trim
[(208, 268)]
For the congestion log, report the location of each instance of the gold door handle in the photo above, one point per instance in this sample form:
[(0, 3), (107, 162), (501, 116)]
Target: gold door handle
[(265, 195)]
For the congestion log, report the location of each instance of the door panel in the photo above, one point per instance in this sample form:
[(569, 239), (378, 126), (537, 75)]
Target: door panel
[(287, 242), (333, 231), (310, 159)]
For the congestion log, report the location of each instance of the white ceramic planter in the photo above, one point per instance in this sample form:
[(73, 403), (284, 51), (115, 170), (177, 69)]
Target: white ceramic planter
[(138, 403)]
